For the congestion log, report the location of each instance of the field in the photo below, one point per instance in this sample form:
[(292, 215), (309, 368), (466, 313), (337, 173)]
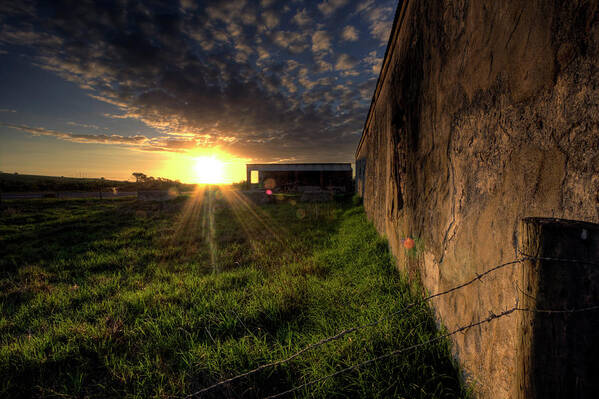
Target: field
[(11, 183), (120, 298)]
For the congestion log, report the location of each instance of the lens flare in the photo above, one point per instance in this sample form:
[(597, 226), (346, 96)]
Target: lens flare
[(208, 170)]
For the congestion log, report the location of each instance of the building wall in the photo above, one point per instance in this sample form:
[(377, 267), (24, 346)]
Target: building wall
[(294, 179), (486, 113)]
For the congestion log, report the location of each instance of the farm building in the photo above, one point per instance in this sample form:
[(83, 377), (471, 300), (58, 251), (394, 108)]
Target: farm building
[(301, 176), (483, 128)]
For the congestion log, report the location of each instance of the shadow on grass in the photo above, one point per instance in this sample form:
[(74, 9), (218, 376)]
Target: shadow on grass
[(43, 231), (49, 242), (288, 275)]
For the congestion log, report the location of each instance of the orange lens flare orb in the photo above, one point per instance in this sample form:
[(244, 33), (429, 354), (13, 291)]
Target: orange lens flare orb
[(408, 243), (270, 183)]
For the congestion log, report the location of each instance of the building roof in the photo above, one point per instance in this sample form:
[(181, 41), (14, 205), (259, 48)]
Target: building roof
[(307, 167)]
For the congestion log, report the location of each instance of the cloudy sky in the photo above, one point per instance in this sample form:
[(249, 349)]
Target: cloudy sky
[(106, 88)]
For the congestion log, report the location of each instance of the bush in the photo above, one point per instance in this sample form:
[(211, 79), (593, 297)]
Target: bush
[(356, 199)]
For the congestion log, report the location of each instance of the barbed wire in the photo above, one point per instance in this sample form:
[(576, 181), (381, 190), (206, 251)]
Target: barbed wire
[(342, 333), (587, 309), (491, 317), (586, 262), (349, 330)]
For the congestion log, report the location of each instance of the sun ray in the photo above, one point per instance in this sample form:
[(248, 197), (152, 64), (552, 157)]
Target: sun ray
[(261, 216), (258, 226), (208, 226), (197, 219), (186, 225)]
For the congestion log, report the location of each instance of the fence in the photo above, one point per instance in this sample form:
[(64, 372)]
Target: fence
[(342, 333), (534, 358)]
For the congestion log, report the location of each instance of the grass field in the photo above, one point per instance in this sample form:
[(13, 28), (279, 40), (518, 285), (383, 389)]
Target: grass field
[(119, 298)]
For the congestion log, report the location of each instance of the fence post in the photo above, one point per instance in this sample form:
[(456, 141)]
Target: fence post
[(558, 353)]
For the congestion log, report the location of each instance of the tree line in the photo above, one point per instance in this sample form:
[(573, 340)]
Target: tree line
[(14, 182)]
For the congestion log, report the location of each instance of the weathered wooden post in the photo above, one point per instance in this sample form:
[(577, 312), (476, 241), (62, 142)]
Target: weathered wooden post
[(558, 353)]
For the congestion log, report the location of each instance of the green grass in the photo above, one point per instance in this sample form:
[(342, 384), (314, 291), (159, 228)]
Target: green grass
[(119, 298)]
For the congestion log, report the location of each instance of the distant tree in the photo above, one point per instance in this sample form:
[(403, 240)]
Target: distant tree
[(139, 177)]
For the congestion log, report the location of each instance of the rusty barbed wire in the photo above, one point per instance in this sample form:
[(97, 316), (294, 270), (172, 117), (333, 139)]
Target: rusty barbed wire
[(348, 331), (586, 262), (587, 309), (344, 332), (491, 317)]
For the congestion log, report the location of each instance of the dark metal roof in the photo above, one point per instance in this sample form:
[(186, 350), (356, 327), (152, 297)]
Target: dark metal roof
[(283, 167)]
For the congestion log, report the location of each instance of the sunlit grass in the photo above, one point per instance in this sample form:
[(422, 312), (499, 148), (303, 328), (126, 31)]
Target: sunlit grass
[(124, 298)]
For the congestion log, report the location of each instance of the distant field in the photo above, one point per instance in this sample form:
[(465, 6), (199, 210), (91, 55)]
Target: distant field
[(12, 184), (119, 298)]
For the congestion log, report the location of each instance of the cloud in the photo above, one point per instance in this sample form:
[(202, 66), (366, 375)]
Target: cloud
[(323, 66), (80, 138), (301, 18), (187, 5), (292, 64), (364, 5), (345, 62), (374, 62), (29, 37), (293, 41), (381, 30), (205, 73), (380, 22), (288, 83), (350, 72), (365, 88), (7, 110), (248, 17), (140, 142), (225, 11), (263, 53), (321, 41), (349, 33), (243, 52), (234, 30), (270, 19), (87, 126), (327, 7)]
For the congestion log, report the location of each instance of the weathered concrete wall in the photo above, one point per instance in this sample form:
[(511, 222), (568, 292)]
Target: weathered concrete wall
[(486, 112)]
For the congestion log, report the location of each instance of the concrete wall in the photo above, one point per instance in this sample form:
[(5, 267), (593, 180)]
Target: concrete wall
[(486, 112)]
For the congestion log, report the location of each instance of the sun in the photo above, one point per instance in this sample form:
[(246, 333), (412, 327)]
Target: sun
[(208, 170)]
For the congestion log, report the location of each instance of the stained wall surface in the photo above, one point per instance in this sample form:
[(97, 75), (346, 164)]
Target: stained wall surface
[(486, 112)]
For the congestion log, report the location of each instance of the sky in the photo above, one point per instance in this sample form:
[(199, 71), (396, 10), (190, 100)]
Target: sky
[(104, 89)]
